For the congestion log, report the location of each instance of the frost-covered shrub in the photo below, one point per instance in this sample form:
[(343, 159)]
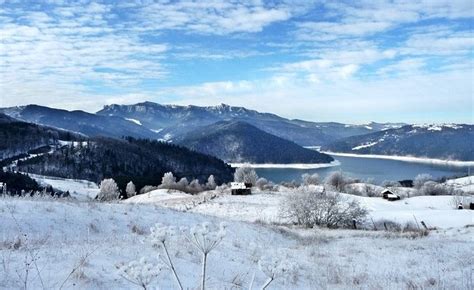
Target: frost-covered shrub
[(309, 179), (421, 179), (337, 180), (434, 188), (326, 209), (108, 190), (291, 184), (246, 174), (362, 189), (130, 189), (264, 184)]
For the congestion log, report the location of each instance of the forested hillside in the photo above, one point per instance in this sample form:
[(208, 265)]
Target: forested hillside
[(18, 137), (142, 161), (240, 142)]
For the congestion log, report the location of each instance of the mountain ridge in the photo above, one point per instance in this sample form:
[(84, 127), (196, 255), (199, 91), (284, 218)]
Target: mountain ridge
[(240, 142)]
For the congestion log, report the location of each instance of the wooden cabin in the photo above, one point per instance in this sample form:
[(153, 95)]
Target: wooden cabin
[(240, 188), (390, 196)]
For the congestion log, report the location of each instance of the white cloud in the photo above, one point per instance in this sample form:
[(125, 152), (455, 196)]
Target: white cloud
[(210, 17), (413, 98)]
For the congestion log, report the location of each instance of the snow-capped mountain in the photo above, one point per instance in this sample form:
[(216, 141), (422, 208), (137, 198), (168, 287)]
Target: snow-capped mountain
[(442, 141), (239, 142), (171, 121), (79, 121)]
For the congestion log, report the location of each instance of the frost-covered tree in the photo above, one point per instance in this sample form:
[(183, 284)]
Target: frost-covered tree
[(130, 189), (310, 179), (168, 180), (108, 190), (182, 184), (421, 179), (337, 180), (246, 174), (195, 186), (211, 183)]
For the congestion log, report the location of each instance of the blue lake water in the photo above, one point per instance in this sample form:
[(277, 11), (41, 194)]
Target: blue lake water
[(364, 168)]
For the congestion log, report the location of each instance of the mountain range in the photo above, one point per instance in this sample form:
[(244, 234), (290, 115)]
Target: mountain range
[(447, 141), (171, 121), (197, 128)]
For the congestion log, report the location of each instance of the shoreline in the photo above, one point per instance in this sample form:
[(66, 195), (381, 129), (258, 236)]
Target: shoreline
[(288, 166), (405, 159)]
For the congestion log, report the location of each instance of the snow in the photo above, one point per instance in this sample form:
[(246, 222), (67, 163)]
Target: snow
[(79, 189), (134, 121), (437, 127), (64, 232), (366, 145), (157, 130), (167, 137), (436, 211), (405, 158), (159, 195), (291, 165), (465, 184)]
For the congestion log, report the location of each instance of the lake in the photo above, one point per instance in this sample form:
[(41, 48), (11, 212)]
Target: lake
[(364, 168)]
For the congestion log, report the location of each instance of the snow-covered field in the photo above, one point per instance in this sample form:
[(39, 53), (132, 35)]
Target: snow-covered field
[(79, 189), (90, 240), (78, 244), (465, 184), (263, 207)]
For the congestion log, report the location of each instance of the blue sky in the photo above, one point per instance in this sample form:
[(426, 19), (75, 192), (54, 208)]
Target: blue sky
[(347, 61)]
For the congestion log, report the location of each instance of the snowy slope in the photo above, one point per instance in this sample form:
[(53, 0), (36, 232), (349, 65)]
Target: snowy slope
[(78, 245), (79, 189), (436, 211)]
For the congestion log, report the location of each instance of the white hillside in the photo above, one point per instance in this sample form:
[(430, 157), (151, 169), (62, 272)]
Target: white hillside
[(79, 245)]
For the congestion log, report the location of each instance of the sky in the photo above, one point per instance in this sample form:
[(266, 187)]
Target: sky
[(346, 61)]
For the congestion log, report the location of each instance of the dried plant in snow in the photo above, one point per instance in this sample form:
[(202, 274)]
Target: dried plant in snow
[(274, 267), (141, 272), (204, 239), (159, 236)]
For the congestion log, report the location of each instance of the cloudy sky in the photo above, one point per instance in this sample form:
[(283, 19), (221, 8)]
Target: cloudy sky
[(348, 61)]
